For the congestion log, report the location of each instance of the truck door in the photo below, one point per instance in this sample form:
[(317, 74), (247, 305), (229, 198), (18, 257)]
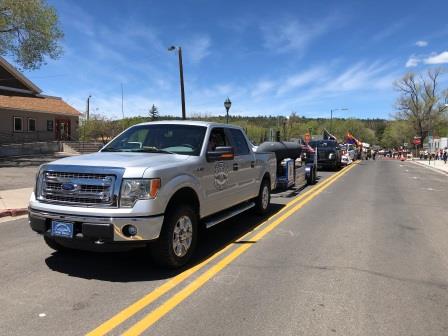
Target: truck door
[(218, 177), (244, 168)]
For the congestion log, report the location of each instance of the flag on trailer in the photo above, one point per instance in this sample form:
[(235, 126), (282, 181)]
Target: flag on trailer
[(328, 136), (352, 140)]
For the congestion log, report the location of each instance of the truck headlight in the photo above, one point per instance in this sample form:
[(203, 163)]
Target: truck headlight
[(133, 190), (39, 181)]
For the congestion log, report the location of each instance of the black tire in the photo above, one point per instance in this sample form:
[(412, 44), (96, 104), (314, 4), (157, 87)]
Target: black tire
[(163, 249), (261, 207), (312, 178), (53, 244)]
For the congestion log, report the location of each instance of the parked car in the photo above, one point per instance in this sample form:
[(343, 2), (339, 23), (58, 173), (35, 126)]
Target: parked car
[(152, 186)]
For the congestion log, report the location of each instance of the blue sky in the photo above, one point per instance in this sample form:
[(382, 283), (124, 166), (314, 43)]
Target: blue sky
[(269, 57)]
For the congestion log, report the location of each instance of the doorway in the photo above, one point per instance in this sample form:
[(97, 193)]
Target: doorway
[(62, 129)]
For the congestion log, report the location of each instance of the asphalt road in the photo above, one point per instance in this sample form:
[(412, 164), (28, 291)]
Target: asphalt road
[(363, 252)]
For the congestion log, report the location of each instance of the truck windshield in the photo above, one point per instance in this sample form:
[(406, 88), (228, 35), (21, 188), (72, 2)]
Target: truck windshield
[(323, 143), (160, 138)]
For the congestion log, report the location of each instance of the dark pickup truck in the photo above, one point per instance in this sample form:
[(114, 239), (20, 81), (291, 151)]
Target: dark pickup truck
[(329, 154)]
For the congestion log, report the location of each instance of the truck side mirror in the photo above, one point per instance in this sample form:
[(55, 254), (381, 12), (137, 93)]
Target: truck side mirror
[(220, 154)]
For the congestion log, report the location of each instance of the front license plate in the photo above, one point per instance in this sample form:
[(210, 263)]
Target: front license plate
[(62, 229)]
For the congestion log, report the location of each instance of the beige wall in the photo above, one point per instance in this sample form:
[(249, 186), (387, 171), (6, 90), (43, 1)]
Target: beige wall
[(7, 134)]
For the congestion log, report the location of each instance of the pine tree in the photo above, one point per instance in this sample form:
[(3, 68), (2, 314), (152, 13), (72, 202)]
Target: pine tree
[(153, 113)]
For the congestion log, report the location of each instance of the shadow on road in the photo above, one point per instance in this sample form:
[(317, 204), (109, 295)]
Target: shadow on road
[(137, 266)]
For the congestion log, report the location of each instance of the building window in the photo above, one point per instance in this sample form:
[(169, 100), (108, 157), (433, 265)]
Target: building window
[(18, 124), (50, 125), (31, 125)]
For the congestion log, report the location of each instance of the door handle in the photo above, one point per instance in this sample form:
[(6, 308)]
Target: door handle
[(235, 166), (252, 164)]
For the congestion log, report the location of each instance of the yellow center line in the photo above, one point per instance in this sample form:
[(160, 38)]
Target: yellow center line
[(177, 298), (140, 304)]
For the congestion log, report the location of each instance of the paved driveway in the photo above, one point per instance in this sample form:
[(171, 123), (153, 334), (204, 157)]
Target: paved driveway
[(20, 172)]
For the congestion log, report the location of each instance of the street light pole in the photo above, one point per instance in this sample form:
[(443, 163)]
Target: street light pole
[(227, 105), (331, 116), (181, 75), (88, 107)]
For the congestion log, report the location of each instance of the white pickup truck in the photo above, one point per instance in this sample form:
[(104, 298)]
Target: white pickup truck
[(153, 185)]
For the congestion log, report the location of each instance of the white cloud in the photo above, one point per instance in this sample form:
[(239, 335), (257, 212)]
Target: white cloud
[(262, 88), (198, 48), (293, 35), (413, 61), (421, 43), (361, 76), (313, 75), (389, 31), (438, 58)]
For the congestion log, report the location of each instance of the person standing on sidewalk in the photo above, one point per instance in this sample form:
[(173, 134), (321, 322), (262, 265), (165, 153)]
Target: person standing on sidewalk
[(445, 155)]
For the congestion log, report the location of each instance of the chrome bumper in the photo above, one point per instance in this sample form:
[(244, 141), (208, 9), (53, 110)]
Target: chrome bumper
[(99, 228)]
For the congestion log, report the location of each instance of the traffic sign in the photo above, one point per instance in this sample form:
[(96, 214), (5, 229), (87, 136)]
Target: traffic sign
[(416, 141)]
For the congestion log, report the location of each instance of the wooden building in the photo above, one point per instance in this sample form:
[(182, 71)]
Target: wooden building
[(27, 115)]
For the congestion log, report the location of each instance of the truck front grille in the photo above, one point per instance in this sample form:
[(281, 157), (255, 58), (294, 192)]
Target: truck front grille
[(322, 155), (81, 189)]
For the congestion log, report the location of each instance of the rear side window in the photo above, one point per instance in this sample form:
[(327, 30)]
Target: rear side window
[(239, 141)]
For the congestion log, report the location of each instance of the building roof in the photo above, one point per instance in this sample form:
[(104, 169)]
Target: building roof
[(21, 78), (41, 104)]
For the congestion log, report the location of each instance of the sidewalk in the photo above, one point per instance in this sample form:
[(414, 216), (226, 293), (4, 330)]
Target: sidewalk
[(435, 164), (14, 202)]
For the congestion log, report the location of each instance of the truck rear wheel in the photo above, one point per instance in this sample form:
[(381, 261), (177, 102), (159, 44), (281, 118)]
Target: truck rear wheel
[(264, 198), (178, 238)]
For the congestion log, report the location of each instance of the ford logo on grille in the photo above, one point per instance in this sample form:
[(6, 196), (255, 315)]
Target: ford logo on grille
[(68, 186)]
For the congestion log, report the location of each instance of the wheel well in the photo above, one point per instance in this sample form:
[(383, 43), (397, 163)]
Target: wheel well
[(267, 176), (185, 196)]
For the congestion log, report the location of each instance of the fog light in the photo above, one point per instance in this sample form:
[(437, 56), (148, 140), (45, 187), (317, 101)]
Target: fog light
[(129, 230)]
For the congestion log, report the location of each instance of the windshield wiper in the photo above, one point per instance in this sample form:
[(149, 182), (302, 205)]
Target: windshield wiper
[(111, 150), (152, 150)]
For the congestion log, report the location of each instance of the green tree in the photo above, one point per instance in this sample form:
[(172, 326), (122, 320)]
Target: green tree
[(153, 113), (29, 32), (99, 128), (397, 133), (422, 101)]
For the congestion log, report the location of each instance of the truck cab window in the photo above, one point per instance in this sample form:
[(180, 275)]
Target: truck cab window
[(239, 142), (217, 139)]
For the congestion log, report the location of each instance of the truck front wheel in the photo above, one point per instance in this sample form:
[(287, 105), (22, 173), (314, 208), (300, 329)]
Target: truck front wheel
[(178, 238)]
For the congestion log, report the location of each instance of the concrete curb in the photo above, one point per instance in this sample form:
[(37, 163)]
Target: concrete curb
[(13, 212), (429, 167)]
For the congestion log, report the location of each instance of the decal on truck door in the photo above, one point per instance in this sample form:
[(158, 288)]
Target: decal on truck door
[(221, 175)]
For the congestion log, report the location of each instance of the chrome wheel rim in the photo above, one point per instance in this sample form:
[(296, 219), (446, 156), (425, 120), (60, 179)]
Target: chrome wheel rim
[(265, 197), (182, 236)]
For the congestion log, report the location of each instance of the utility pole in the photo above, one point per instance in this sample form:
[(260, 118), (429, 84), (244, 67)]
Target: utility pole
[(88, 106), (122, 109), (182, 91), (181, 75)]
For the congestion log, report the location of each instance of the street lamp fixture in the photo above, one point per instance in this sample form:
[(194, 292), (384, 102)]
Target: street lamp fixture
[(227, 105), (331, 116), (181, 75)]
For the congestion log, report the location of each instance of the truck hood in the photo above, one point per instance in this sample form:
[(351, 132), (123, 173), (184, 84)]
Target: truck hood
[(134, 163)]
